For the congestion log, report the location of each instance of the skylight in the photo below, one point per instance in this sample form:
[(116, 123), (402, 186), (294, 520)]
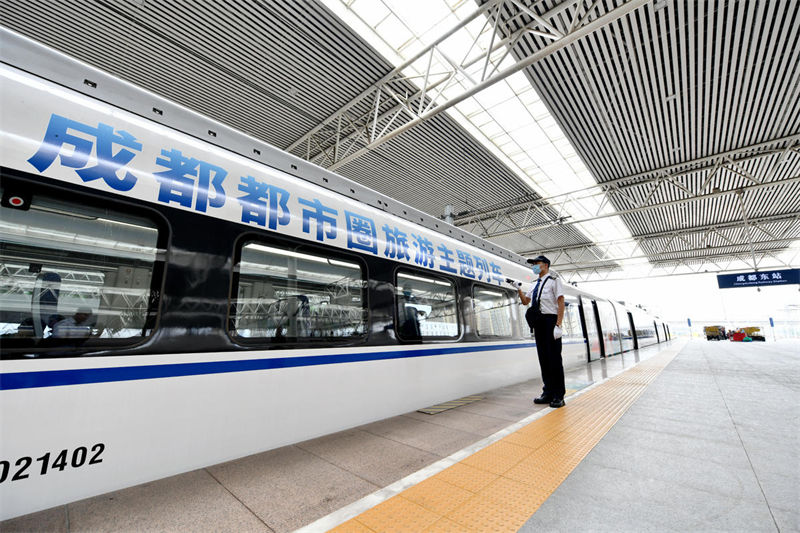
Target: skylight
[(508, 117)]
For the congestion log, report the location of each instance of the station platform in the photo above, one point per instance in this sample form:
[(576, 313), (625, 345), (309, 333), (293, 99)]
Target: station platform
[(686, 435)]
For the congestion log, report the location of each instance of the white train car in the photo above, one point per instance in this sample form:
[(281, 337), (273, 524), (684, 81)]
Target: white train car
[(177, 294)]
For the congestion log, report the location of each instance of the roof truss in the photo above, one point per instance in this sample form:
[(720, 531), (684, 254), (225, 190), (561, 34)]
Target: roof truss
[(432, 81)]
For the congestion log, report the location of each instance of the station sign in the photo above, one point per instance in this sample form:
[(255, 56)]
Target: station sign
[(759, 279)]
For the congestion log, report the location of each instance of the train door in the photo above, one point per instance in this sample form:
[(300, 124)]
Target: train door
[(599, 325), (655, 326), (609, 329), (584, 329), (591, 331), (666, 334), (623, 324), (644, 329), (632, 325)]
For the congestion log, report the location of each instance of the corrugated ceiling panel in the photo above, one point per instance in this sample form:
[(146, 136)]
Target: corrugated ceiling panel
[(673, 82)]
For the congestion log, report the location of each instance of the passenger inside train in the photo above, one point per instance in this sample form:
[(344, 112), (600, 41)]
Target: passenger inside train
[(79, 325)]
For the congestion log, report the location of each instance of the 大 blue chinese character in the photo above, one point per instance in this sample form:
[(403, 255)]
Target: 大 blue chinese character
[(447, 257), (108, 163), (764, 277), (740, 278), (396, 243), (424, 251), (318, 213), (776, 275), (752, 277), (178, 182), (361, 234), (482, 268), (497, 274), (255, 207), (465, 264)]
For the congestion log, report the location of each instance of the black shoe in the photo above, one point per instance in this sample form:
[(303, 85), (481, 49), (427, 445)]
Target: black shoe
[(557, 402), (543, 399)]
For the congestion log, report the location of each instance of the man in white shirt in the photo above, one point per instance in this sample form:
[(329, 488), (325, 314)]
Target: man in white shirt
[(546, 311)]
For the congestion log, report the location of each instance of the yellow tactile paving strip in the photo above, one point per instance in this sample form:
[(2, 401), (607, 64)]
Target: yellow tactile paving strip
[(499, 487)]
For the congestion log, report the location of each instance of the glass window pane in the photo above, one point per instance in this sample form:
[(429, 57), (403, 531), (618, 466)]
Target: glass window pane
[(290, 296), (591, 328), (608, 322), (571, 322), (645, 329), (493, 312), (426, 307), (71, 271)]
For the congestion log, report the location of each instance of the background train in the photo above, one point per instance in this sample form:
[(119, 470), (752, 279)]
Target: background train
[(176, 294)]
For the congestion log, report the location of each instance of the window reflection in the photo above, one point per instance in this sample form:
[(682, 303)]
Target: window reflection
[(493, 313), (290, 296), (426, 307), (71, 271)]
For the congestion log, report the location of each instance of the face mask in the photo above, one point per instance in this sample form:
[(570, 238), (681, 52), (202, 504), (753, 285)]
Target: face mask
[(536, 269)]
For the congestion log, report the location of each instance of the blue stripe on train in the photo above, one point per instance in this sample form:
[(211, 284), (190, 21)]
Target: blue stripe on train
[(56, 378)]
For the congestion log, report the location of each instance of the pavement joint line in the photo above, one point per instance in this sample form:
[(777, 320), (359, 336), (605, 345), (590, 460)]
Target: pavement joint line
[(366, 503), (741, 441), (239, 500)]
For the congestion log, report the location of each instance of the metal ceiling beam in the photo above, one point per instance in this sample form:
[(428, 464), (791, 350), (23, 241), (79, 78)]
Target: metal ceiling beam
[(729, 262), (654, 257), (430, 100), (713, 164), (539, 227), (644, 238)]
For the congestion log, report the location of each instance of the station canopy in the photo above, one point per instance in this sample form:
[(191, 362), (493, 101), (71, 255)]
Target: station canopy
[(621, 138)]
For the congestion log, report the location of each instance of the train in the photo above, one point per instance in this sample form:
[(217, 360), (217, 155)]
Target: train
[(176, 294)]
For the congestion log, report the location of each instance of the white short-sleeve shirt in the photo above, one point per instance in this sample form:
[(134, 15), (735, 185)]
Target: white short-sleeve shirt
[(550, 293)]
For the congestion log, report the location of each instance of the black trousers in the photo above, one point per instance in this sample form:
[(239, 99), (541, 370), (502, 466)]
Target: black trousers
[(549, 351)]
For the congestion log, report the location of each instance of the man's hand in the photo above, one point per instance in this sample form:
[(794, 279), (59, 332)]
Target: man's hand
[(515, 284), (557, 332)]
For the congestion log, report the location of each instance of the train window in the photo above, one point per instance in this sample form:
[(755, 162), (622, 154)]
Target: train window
[(73, 275), (571, 322), (288, 296), (609, 326), (493, 312), (426, 308), (645, 331)]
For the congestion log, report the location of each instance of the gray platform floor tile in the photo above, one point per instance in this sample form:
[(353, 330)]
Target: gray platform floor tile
[(703, 414), (732, 480), (788, 521), (55, 520), (607, 499), (194, 501), (422, 434), (374, 459), (629, 439), (288, 487), (782, 491), (688, 429), (509, 412), (469, 422), (516, 394)]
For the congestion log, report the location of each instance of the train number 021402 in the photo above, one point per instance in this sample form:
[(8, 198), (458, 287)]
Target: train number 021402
[(48, 462)]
